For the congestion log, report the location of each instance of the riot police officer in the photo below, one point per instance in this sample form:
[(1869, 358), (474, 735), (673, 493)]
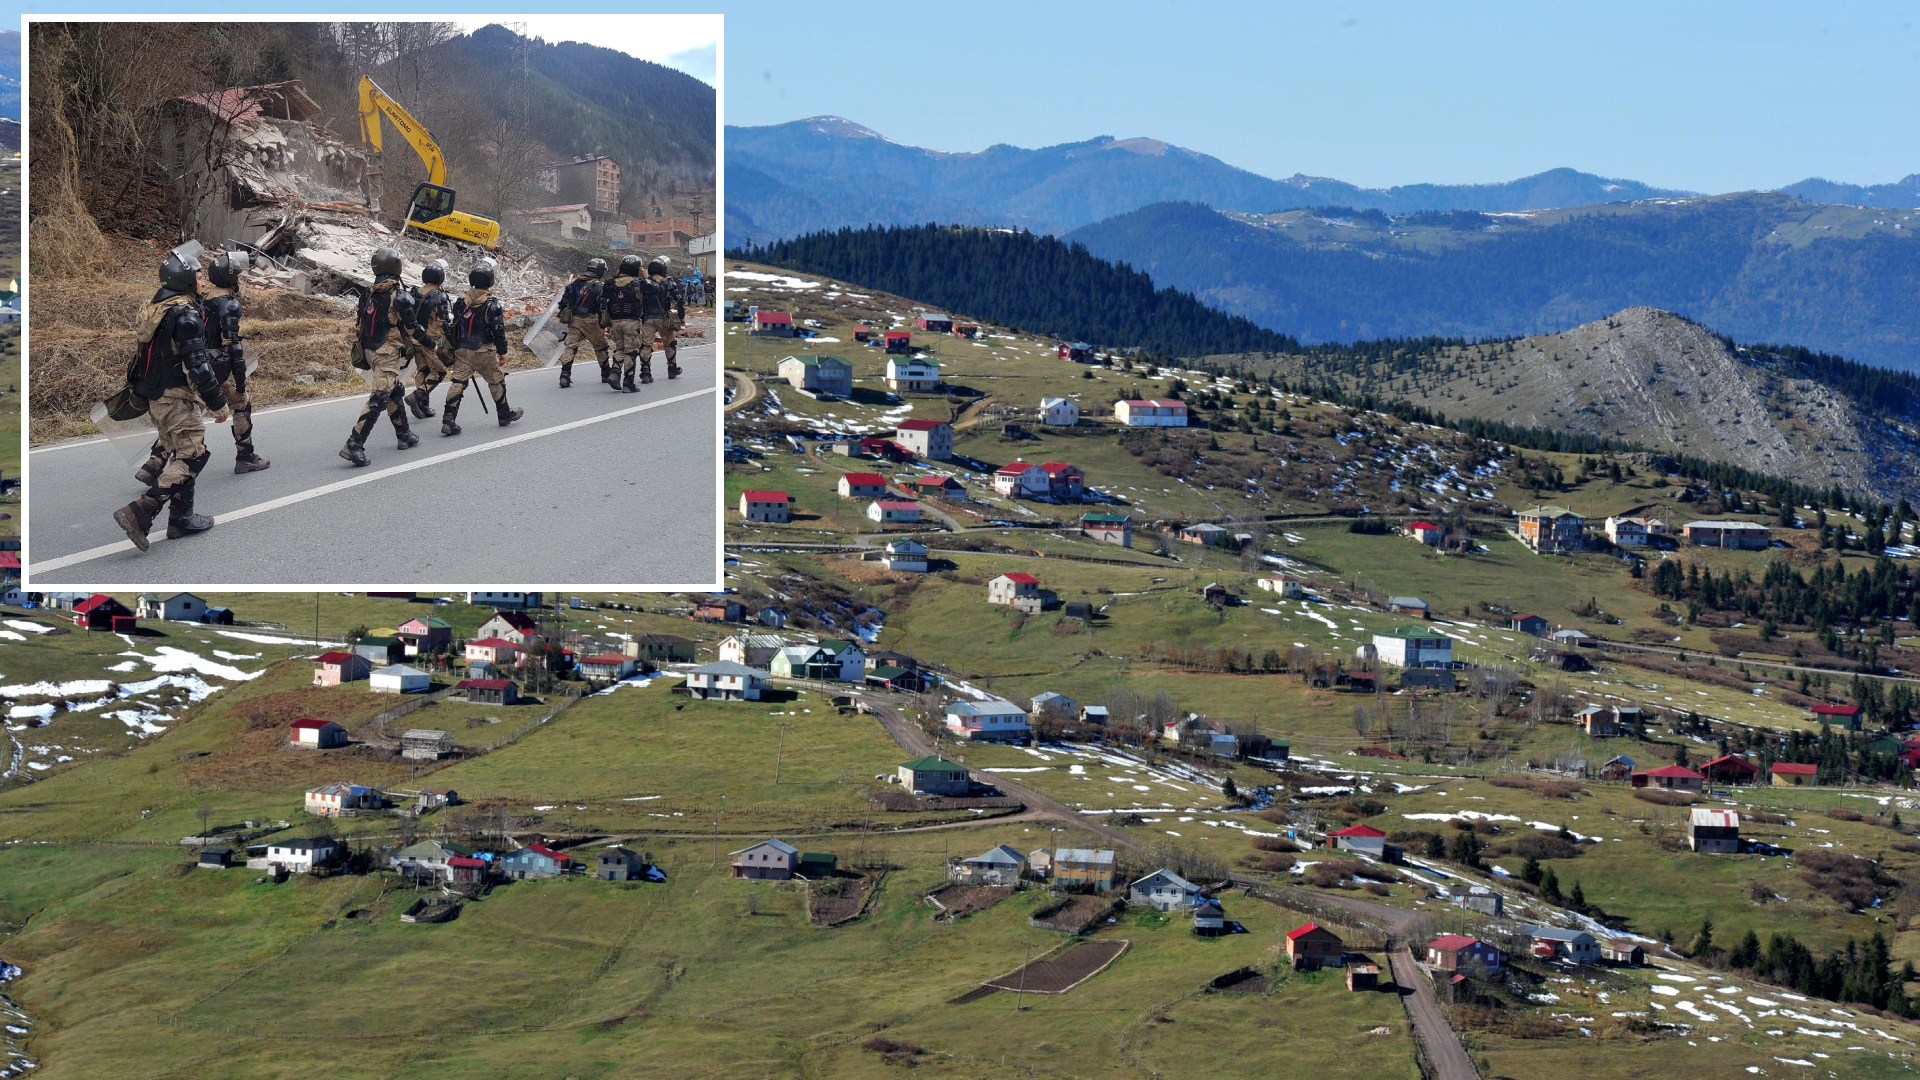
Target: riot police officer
[(478, 333), (434, 310), (580, 307), (385, 320), (220, 313), (173, 373), (620, 312), (660, 298)]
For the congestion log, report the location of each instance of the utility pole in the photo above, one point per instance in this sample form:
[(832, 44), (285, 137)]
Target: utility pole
[(778, 753), (1023, 977)]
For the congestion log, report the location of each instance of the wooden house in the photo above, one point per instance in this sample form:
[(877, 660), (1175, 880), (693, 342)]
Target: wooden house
[(1846, 716), (1451, 952), (1670, 778), (1623, 952), (1618, 768), (1532, 624), (534, 861), (103, 612), (619, 863), (1311, 947), (425, 744), (1209, 918), (1362, 975), (608, 667), (489, 691), (935, 776), (770, 860), (1793, 774), (1730, 769)]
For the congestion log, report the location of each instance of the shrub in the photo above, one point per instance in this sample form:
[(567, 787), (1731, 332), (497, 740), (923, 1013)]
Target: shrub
[(1907, 846), (1378, 889), (1274, 843), (1552, 789), (1664, 797), (1844, 815), (1545, 846), (1277, 863), (1764, 817)]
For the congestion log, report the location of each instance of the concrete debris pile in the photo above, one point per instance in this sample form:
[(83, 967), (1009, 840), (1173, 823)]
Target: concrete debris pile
[(338, 254)]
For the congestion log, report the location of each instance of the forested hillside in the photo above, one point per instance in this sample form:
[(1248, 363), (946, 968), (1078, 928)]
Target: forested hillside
[(1036, 283), (1757, 267)]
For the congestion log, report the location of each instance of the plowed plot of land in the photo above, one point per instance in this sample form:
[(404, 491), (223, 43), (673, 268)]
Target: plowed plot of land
[(956, 901), (1076, 914), (1061, 973)]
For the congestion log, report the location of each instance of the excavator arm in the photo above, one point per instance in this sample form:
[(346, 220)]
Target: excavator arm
[(373, 102)]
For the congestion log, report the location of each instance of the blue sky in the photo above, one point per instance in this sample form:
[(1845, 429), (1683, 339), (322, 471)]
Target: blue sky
[(1702, 96)]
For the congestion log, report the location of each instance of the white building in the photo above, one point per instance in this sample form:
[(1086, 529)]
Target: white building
[(513, 600), (340, 798), (916, 374), (727, 681), (300, 856), (993, 719), (1164, 890), (1058, 412), (1634, 531), (180, 607), (905, 555), (1413, 647), (1151, 412), (1287, 588), (399, 679), (753, 650)]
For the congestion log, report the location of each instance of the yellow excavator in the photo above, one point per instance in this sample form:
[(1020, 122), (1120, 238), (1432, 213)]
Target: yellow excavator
[(432, 205)]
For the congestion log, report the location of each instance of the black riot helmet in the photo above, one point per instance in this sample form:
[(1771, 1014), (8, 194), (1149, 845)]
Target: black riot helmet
[(596, 268), (630, 266), (481, 276), (658, 268), (225, 271), (180, 275), (386, 263), (434, 273)]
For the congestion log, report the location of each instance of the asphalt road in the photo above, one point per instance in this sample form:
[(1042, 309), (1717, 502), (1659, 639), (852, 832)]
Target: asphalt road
[(591, 487)]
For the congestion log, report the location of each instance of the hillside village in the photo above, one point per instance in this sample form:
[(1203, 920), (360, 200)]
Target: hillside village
[(1099, 727)]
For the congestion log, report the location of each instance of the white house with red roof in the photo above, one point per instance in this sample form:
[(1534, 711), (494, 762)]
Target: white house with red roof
[(931, 439), (498, 652), (312, 734), (1020, 480), (1010, 588), (1426, 532), (771, 506), (608, 667), (894, 511), (862, 485), (1361, 839), (339, 666), (772, 324), (1151, 412), (516, 626)]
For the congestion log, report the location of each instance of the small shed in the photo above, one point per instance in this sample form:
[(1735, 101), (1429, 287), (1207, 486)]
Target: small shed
[(1362, 975), (310, 734), (425, 744), (1623, 952), (1209, 918), (399, 679)]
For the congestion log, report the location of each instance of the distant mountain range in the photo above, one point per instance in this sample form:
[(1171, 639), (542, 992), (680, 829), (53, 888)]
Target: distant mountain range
[(827, 172), (1761, 267)]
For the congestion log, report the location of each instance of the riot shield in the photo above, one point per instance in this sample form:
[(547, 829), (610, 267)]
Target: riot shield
[(548, 336), (131, 439)]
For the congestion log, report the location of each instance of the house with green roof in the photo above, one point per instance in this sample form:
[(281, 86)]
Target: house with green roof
[(1109, 528), (935, 776), (818, 374), (425, 634)]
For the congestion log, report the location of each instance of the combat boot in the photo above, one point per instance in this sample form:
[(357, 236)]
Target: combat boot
[(566, 376), (447, 426), (250, 462), (606, 372), (507, 416), (181, 520), (136, 518), (355, 453), (628, 387), (408, 440), (646, 369), (673, 368), (417, 404)]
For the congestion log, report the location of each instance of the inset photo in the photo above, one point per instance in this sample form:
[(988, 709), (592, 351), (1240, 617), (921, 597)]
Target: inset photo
[(354, 303)]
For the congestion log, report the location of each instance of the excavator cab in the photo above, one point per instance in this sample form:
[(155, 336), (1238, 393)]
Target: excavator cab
[(431, 201)]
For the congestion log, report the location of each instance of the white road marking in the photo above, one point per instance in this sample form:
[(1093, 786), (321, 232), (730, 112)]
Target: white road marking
[(50, 565)]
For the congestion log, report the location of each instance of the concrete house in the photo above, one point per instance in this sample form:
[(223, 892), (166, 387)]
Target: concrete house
[(399, 679), (498, 652), (989, 720), (380, 650), (1012, 588), (1311, 947), (1164, 890), (300, 856), (1020, 480), (1549, 529), (1740, 535), (619, 863), (1065, 481), (771, 324), (753, 650), (311, 734), (1058, 412), (893, 511), (514, 626), (431, 858), (1083, 868), (913, 374), (934, 322), (1408, 605), (336, 667), (427, 635), (1286, 588), (1108, 528), (931, 439), (1714, 831), (862, 485), (1361, 839), (769, 860), (998, 865), (489, 691), (1426, 532), (660, 648), (1553, 943), (180, 607), (1412, 647), (608, 667), (1206, 534), (828, 375), (1151, 412), (1626, 531), (770, 506), (935, 776), (1670, 778), (341, 799), (724, 680), (1052, 704), (503, 601), (904, 555), (535, 861)]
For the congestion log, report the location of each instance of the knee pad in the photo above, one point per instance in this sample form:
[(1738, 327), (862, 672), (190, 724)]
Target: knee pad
[(377, 400), (645, 353)]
